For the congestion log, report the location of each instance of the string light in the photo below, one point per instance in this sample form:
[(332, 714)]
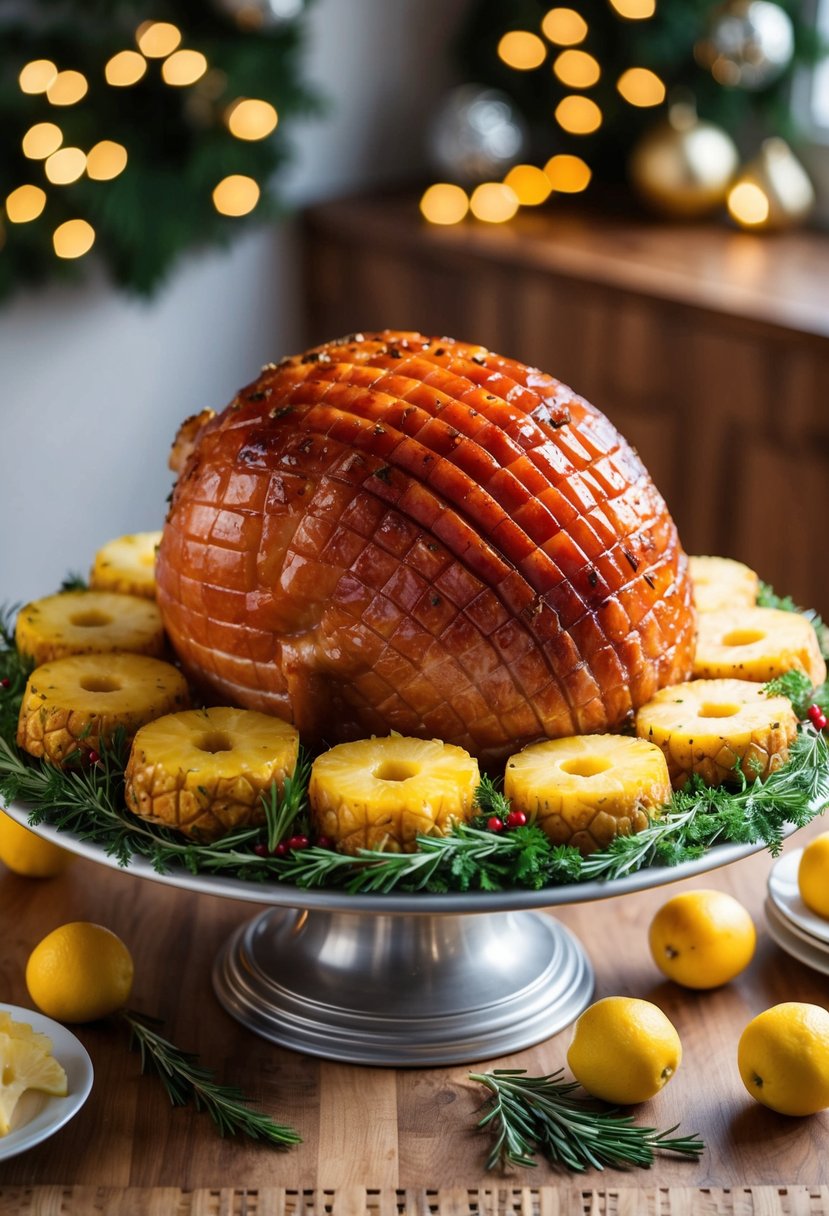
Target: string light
[(42, 140), (577, 69), (106, 160), (578, 115), (564, 26), (568, 174), (67, 88), (522, 50), (157, 39), (493, 202), (73, 239), (236, 195), (183, 68), (251, 119), (65, 166), (641, 87), (748, 204), (25, 204), (36, 76), (635, 10), (124, 69), (531, 185), (444, 203)]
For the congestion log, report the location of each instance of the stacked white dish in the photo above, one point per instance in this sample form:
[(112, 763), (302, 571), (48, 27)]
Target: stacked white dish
[(790, 923)]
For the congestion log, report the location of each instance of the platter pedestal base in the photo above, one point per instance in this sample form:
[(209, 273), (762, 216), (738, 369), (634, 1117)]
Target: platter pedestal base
[(402, 989)]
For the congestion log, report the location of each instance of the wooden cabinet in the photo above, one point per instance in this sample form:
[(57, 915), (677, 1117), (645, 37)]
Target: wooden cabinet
[(708, 348)]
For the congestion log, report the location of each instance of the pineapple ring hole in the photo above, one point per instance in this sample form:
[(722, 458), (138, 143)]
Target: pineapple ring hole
[(100, 684), (585, 766), (743, 637), (214, 741), (90, 619), (710, 710), (396, 770)]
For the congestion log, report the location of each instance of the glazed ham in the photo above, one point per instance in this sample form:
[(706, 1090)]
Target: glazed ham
[(394, 532)]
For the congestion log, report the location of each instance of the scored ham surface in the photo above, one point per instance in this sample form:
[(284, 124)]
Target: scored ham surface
[(394, 532)]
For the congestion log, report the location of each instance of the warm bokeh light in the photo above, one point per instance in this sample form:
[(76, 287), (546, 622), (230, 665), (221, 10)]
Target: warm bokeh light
[(493, 202), (522, 50), (65, 166), (530, 184), (42, 140), (641, 87), (236, 195), (635, 10), (748, 204), (157, 39), (564, 26), (444, 203), (73, 239), (25, 204), (67, 88), (577, 69), (106, 160), (578, 115), (568, 174), (36, 76), (249, 118), (124, 69), (184, 68)]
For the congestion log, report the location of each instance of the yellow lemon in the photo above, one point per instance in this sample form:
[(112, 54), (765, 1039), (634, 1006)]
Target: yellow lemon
[(79, 972), (813, 875), (624, 1050), (26, 853), (783, 1057), (702, 939)]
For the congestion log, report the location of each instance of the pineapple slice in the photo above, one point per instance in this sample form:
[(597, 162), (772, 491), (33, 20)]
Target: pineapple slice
[(88, 622), (127, 565), (720, 582), (756, 644), (709, 726), (24, 1064), (79, 702), (203, 772), (586, 789), (380, 793)]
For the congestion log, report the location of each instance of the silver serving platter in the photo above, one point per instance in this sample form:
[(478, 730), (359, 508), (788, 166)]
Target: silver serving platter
[(402, 979)]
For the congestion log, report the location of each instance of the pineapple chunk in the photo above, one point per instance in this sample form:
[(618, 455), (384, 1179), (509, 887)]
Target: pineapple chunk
[(88, 622), (203, 772), (756, 644), (380, 793), (709, 726), (25, 1064), (720, 582), (586, 789), (127, 565), (78, 703)]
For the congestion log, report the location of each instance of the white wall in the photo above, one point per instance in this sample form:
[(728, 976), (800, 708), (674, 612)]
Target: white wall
[(93, 384)]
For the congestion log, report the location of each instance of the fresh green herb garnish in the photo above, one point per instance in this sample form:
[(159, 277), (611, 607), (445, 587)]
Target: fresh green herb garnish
[(189, 1083), (284, 807), (529, 1115), (74, 582)]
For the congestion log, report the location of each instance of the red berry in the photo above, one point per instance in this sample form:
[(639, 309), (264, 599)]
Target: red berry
[(93, 757), (495, 824), (261, 850), (324, 842), (516, 819), (298, 842), (5, 682), (817, 717), (281, 849)]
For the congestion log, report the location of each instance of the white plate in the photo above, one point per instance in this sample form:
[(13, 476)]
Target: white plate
[(815, 956), (786, 897), (38, 1116)]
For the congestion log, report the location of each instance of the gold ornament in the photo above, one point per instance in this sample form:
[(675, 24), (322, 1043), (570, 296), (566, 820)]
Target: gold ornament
[(683, 166), (750, 43), (773, 191)]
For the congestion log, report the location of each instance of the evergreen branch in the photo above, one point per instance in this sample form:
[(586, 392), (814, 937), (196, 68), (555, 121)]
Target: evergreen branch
[(73, 581), (489, 800), (529, 1115), (796, 686), (15, 670), (188, 1082)]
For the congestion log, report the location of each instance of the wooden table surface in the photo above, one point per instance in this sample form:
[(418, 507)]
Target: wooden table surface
[(403, 1132)]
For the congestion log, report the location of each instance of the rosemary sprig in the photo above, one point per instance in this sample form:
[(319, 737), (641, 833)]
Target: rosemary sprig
[(14, 672), (794, 685), (188, 1082), (284, 807), (73, 581), (529, 1115)]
